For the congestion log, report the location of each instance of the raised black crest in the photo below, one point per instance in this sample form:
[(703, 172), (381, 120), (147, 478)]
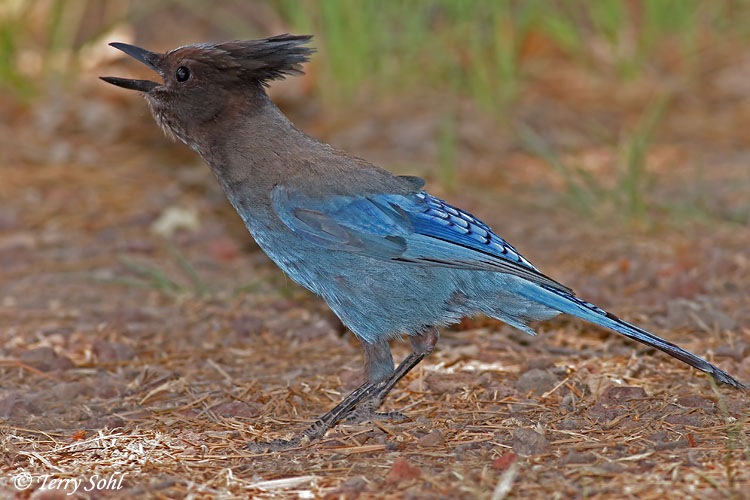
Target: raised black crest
[(267, 59)]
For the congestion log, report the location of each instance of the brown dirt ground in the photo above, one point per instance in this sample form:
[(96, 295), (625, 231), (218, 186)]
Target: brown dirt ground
[(157, 359)]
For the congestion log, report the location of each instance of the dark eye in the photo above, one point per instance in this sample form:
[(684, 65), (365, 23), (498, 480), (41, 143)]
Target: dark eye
[(182, 74)]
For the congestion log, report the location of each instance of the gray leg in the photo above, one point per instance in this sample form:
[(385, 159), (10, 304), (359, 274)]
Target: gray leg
[(378, 360), (423, 345), (381, 379)]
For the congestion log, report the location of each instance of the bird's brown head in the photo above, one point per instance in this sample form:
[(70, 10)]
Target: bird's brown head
[(203, 82)]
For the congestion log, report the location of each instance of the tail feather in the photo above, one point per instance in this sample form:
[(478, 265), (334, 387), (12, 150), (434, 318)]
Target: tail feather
[(576, 307)]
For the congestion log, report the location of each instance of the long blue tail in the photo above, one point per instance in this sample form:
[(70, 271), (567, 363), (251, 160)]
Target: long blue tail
[(574, 306)]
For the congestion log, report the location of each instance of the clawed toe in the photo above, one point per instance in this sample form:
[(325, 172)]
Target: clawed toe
[(361, 414), (362, 417), (393, 416), (367, 413), (275, 445)]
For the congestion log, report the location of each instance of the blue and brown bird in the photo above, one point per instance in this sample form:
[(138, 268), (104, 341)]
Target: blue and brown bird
[(387, 257)]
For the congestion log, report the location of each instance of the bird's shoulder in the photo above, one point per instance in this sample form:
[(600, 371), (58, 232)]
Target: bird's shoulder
[(336, 173), (377, 213)]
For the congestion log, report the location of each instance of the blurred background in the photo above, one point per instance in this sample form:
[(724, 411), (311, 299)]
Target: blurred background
[(549, 118), (634, 109), (608, 140)]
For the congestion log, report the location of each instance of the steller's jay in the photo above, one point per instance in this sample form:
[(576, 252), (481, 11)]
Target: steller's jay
[(387, 257)]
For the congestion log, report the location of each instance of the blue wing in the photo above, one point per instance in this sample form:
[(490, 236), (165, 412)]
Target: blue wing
[(421, 229), (416, 229)]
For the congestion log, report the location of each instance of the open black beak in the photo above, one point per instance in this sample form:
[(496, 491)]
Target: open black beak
[(151, 59)]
